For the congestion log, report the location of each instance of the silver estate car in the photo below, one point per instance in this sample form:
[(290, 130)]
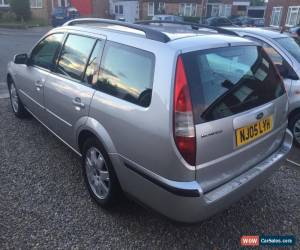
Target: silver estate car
[(184, 121), (284, 51)]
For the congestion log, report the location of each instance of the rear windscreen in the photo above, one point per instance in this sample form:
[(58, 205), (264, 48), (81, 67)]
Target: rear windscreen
[(227, 81)]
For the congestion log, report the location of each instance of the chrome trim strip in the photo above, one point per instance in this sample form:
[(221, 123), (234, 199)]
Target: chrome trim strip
[(56, 116), (29, 97)]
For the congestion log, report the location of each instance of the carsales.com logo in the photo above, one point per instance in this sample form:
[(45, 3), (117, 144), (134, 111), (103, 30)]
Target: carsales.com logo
[(268, 240)]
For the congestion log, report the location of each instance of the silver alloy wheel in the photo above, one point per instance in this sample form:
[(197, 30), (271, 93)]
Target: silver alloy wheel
[(14, 98), (296, 131), (97, 173)]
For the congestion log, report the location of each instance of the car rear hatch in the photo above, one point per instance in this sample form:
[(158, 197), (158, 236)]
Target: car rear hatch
[(239, 110)]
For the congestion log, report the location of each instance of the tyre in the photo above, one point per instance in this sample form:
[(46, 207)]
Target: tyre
[(99, 174), (16, 104), (294, 126)]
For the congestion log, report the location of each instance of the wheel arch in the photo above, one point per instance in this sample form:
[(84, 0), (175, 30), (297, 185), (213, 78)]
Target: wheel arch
[(93, 128)]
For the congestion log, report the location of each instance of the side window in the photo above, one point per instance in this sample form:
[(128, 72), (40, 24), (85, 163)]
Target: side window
[(91, 73), (74, 56), (127, 73), (44, 53)]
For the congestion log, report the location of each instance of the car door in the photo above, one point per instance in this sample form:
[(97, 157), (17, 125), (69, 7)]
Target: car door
[(69, 91), (31, 78)]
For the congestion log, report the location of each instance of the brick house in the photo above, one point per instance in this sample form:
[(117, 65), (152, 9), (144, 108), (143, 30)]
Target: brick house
[(43, 8), (283, 13), (193, 8), (128, 10), (86, 8)]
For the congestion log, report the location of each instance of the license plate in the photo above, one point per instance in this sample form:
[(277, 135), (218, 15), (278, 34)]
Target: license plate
[(252, 132)]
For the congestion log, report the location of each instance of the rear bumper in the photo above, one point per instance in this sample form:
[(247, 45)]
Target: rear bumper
[(186, 202)]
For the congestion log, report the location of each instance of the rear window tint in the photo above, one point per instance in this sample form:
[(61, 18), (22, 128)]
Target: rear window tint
[(227, 81), (127, 73)]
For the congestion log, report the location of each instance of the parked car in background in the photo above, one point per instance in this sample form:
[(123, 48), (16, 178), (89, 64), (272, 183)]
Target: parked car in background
[(285, 54), (218, 22), (171, 18), (248, 21), (295, 31), (61, 15), (215, 129), (236, 20)]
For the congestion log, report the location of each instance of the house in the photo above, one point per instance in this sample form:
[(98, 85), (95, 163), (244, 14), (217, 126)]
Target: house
[(86, 8), (256, 11), (283, 13), (43, 8), (194, 8), (4, 4), (127, 10), (191, 8)]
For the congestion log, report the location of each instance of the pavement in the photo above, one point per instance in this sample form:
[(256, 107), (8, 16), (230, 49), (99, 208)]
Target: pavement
[(44, 203)]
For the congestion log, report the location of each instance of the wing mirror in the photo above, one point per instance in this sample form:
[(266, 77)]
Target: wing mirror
[(21, 59)]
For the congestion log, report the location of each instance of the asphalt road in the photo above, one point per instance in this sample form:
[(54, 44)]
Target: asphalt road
[(44, 202)]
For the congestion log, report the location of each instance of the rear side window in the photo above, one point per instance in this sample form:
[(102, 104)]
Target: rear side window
[(227, 81), (74, 56), (127, 73)]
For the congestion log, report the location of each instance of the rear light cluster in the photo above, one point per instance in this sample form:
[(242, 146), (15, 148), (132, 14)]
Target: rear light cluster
[(183, 121)]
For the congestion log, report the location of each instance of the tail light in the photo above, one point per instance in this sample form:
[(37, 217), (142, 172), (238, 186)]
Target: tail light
[(183, 122)]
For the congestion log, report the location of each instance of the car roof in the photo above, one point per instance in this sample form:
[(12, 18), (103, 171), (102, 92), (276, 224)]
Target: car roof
[(268, 33), (181, 36)]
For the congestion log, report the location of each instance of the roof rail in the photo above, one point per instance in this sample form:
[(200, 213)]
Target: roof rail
[(195, 26), (149, 33)]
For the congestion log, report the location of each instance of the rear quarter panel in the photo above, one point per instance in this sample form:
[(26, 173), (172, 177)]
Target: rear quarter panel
[(143, 136)]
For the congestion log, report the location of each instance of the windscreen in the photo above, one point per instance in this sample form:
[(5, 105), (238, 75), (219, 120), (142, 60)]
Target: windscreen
[(291, 46), (227, 81)]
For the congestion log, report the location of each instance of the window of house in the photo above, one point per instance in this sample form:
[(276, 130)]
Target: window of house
[(215, 10), (121, 9), (4, 3), (151, 9), (188, 9), (293, 16), (276, 16), (116, 9), (74, 56), (36, 4), (63, 3), (161, 7), (227, 10), (127, 73), (45, 52)]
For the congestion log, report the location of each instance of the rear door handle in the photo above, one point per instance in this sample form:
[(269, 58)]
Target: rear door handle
[(40, 83), (77, 102)]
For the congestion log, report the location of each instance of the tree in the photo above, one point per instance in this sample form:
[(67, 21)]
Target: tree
[(21, 8)]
